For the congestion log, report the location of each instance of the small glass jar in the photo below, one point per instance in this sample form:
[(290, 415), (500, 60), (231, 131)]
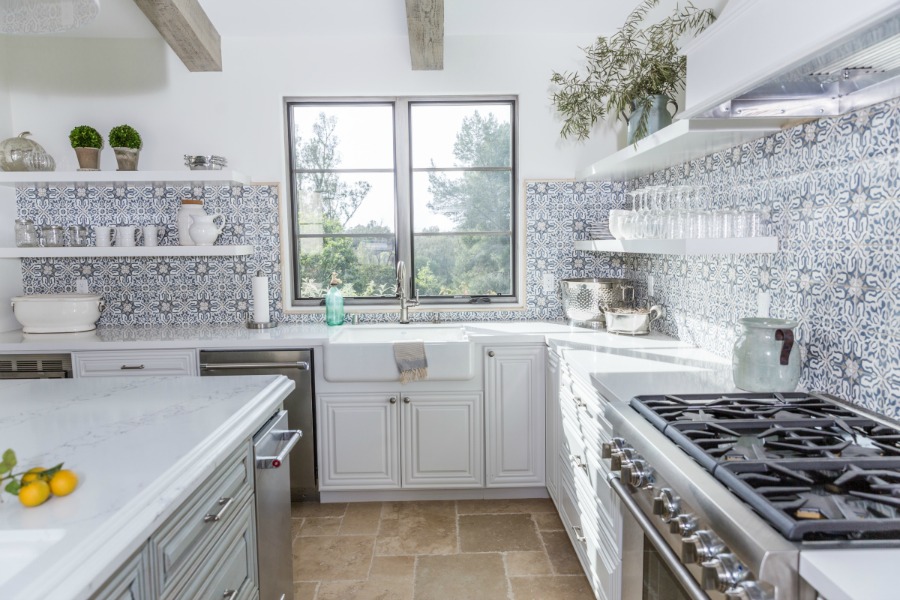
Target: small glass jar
[(78, 235), (26, 235), (52, 236)]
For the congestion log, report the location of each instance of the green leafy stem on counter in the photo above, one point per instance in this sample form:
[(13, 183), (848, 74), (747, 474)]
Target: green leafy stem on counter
[(8, 461)]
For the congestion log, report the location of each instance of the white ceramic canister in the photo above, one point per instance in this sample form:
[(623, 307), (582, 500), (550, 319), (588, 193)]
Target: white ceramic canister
[(765, 357), (189, 208)]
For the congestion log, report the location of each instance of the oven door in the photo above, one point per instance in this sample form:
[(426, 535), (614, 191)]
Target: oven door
[(651, 568)]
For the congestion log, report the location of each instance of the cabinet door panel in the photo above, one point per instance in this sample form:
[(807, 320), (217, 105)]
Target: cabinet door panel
[(442, 440), (358, 442), (553, 424), (515, 415)]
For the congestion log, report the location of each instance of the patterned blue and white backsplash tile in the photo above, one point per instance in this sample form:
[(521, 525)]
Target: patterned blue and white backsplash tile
[(830, 189)]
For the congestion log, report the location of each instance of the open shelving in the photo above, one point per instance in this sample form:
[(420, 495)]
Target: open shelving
[(691, 247), (119, 251), (680, 142), (126, 177)]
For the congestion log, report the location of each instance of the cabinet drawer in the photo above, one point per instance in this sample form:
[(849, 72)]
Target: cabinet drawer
[(137, 362), (186, 537), (131, 581), (229, 571), (588, 471)]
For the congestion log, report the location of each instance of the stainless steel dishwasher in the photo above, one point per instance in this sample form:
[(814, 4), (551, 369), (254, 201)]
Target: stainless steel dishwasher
[(295, 364)]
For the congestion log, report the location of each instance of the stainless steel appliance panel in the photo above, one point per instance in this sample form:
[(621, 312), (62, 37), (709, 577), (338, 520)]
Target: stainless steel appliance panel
[(271, 454), (297, 365), (35, 366)]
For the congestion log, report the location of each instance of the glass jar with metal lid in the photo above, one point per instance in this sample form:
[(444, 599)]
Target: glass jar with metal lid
[(52, 236), (26, 235)]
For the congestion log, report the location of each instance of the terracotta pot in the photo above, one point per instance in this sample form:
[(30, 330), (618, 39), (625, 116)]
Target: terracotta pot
[(127, 158), (88, 159)]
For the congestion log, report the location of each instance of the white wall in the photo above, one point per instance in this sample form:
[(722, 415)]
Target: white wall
[(58, 83)]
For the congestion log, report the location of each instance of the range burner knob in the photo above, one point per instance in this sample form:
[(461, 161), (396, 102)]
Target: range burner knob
[(666, 505), (620, 458), (700, 546), (636, 472), (748, 590), (685, 524), (723, 572), (607, 449)]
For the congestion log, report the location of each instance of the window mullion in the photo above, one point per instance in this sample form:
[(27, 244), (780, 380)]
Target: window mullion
[(402, 142)]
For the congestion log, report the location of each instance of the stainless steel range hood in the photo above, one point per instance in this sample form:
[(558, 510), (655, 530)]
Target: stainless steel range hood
[(825, 75)]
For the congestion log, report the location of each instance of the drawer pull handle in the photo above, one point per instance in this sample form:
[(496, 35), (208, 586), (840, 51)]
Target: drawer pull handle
[(579, 403), (131, 367), (579, 463), (229, 594), (224, 503), (273, 462), (578, 534)]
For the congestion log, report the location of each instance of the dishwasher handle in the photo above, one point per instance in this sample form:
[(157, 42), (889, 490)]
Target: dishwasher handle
[(273, 462), (300, 364)]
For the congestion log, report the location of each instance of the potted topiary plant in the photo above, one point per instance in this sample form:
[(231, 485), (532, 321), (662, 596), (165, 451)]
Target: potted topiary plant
[(126, 143), (87, 143), (635, 73)]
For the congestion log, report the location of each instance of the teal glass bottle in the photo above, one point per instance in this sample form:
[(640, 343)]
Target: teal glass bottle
[(334, 303)]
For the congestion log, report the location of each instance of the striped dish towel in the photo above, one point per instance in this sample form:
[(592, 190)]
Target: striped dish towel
[(411, 362)]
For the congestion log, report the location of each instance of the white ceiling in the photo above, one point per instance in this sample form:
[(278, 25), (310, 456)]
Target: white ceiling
[(284, 18)]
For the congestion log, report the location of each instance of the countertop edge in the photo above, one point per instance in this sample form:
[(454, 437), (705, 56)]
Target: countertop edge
[(90, 564)]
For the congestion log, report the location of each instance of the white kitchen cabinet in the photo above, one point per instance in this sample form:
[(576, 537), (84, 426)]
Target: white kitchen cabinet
[(552, 420), (514, 415), (442, 440), (135, 362), (358, 441), (367, 440)]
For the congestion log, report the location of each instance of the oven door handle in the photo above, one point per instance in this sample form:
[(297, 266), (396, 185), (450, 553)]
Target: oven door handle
[(668, 556)]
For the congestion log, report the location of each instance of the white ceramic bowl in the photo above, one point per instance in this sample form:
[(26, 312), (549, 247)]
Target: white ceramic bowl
[(57, 313)]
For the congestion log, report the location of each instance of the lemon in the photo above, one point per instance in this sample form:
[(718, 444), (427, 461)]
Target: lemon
[(34, 493), (63, 482), (33, 475)]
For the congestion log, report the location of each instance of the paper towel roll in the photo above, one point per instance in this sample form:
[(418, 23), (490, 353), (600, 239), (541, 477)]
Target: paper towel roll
[(260, 299)]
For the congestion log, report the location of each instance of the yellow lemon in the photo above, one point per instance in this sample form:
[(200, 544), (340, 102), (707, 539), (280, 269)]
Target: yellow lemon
[(33, 475), (63, 482), (34, 493)]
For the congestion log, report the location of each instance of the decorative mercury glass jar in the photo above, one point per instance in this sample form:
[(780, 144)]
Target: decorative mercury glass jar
[(765, 357)]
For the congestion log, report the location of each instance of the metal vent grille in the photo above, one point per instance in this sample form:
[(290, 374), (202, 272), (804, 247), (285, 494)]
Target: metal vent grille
[(882, 57), (35, 363)]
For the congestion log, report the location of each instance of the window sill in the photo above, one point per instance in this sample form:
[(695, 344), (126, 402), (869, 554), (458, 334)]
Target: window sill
[(372, 309)]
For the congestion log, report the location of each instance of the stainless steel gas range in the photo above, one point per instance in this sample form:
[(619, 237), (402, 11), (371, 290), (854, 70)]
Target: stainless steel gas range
[(730, 490)]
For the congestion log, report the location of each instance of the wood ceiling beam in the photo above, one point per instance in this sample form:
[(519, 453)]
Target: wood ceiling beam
[(425, 22), (188, 30)]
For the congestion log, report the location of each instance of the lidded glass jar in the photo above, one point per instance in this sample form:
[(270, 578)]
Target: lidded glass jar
[(765, 357), (189, 208), (26, 235), (52, 236)]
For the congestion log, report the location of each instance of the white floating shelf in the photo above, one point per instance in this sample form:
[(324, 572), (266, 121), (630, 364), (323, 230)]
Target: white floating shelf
[(755, 245), (679, 142), (117, 251), (114, 177)]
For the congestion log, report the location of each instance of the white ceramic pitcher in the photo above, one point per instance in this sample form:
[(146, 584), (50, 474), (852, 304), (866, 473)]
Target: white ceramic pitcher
[(204, 231)]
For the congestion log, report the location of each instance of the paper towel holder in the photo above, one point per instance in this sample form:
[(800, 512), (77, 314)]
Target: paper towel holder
[(251, 324)]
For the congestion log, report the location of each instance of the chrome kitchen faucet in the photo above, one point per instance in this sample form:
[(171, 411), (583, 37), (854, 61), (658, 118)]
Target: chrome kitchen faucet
[(405, 302)]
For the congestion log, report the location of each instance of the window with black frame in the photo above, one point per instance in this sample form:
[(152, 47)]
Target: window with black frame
[(427, 181)]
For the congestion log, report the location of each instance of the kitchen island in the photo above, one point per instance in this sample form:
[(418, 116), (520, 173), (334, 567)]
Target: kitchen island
[(140, 447)]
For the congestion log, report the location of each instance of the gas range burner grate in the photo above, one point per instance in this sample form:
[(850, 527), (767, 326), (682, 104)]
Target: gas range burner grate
[(811, 466), (821, 499)]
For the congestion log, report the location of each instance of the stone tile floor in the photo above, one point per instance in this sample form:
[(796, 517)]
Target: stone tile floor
[(436, 550)]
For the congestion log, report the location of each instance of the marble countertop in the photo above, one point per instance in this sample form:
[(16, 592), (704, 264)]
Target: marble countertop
[(139, 445)]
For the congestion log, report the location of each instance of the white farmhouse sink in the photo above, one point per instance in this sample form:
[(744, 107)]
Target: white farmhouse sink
[(19, 547), (366, 352)]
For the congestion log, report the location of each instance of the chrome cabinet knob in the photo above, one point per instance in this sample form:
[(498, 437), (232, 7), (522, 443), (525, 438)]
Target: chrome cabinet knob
[(491, 353), (748, 590), (406, 400), (723, 572), (392, 400), (700, 546)]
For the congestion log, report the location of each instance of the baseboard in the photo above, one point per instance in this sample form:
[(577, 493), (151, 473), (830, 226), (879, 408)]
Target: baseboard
[(408, 495)]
